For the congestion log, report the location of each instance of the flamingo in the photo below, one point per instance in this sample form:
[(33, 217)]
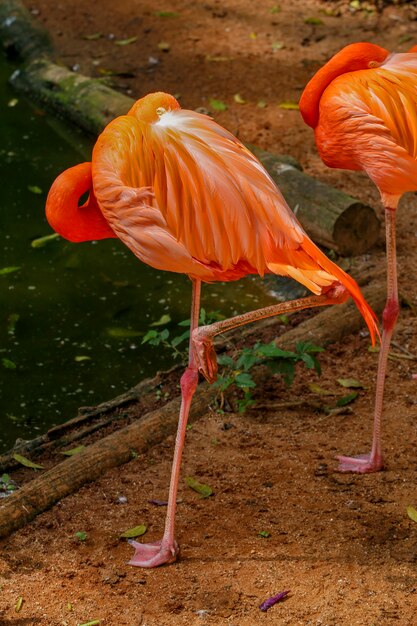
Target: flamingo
[(186, 196), (362, 105)]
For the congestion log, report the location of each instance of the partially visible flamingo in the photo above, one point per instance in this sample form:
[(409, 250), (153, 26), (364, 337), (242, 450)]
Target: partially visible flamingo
[(362, 106), (186, 196)]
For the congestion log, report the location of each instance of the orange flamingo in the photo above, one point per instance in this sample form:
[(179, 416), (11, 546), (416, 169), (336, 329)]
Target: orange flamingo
[(186, 196), (362, 106)]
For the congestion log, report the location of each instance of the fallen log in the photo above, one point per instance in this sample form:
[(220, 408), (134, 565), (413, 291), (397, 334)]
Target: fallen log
[(41, 493)]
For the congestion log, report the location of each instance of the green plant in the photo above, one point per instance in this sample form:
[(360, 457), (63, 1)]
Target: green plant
[(163, 337), (237, 371)]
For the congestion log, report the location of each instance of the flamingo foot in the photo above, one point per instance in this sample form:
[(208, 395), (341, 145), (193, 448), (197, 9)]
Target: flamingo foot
[(361, 464), (153, 554)]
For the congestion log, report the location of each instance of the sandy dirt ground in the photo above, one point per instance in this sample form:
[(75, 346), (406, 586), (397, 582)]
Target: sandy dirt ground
[(341, 543)]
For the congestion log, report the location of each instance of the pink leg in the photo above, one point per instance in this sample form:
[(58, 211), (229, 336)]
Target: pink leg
[(203, 336), (166, 550), (372, 462)]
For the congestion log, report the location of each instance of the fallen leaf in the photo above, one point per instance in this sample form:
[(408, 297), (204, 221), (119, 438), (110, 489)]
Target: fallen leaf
[(264, 534), (273, 600), (218, 59), (204, 490), (351, 383), (164, 46), (253, 36), (315, 21), (277, 45), (18, 604), (26, 462), (166, 14), (9, 270), (262, 104), (412, 513), (125, 42), (80, 358), (136, 531), (12, 102), (288, 105), (238, 99), (165, 319), (319, 390), (81, 535), (8, 364), (73, 451), (93, 36), (275, 9), (217, 105), (123, 333), (42, 241), (347, 399), (35, 189), (95, 622)]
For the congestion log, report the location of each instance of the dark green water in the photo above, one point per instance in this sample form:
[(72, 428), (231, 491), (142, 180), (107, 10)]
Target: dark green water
[(65, 297)]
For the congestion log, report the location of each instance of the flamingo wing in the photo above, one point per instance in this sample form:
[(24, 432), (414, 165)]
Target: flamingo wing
[(185, 195), (368, 120)]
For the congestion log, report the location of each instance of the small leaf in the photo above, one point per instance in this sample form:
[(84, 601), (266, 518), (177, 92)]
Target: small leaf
[(123, 333), (238, 99), (351, 383), (204, 490), (12, 102), (35, 189), (180, 338), (277, 45), (73, 451), (217, 105), (42, 241), (9, 270), (347, 399), (11, 322), (289, 106), (262, 104), (136, 531), (245, 380), (225, 360), (253, 36), (8, 364), (165, 319), (81, 535), (81, 358), (315, 21), (217, 59), (275, 9), (94, 622), (412, 513), (93, 37), (26, 462), (18, 604), (264, 533), (166, 14), (164, 46), (125, 42), (319, 390)]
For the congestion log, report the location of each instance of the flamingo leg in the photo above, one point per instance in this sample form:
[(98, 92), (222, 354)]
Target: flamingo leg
[(372, 462), (204, 335), (166, 550)]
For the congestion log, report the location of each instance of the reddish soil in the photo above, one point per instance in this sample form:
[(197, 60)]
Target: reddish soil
[(342, 543)]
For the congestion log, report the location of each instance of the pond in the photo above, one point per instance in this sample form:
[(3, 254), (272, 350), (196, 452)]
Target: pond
[(72, 315)]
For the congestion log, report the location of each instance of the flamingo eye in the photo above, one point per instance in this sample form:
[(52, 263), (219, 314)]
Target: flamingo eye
[(372, 64), (160, 111)]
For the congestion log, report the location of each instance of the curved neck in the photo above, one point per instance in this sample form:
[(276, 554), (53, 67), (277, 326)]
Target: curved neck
[(71, 221), (359, 56)]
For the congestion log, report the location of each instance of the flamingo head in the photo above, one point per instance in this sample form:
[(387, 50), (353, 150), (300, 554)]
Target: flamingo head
[(150, 108), (354, 57)]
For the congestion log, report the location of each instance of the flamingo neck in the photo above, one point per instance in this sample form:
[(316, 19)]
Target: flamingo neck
[(71, 221), (358, 56)]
